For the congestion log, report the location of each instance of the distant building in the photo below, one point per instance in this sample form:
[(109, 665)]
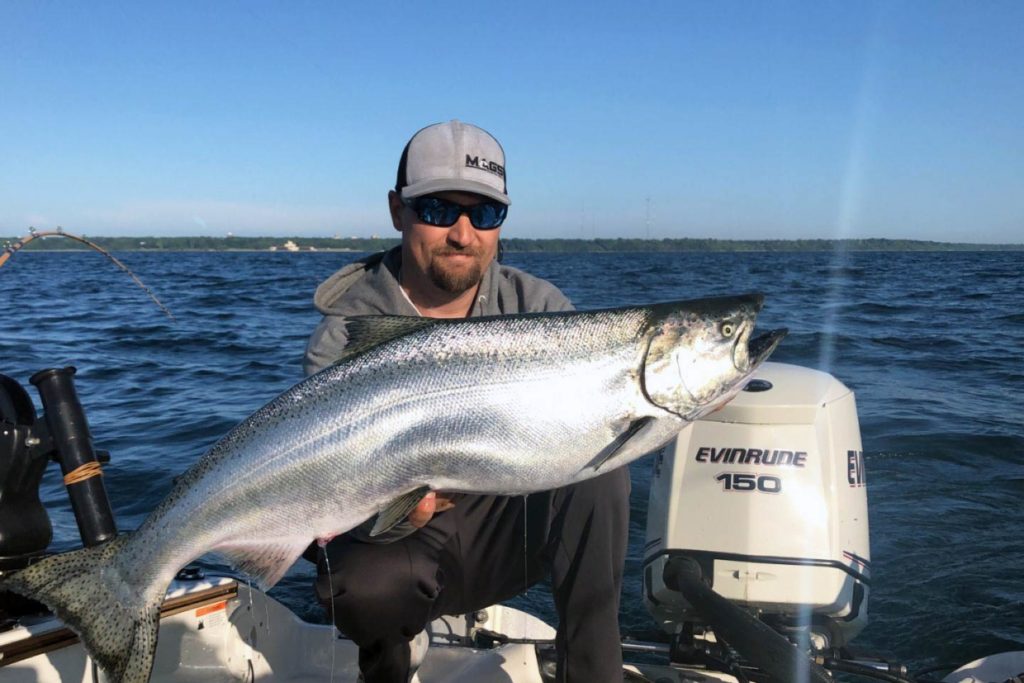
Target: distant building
[(287, 246)]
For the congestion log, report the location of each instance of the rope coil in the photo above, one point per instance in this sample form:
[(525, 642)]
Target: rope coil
[(83, 472)]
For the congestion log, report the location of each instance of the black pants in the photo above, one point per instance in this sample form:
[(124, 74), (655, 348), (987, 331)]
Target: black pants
[(473, 556)]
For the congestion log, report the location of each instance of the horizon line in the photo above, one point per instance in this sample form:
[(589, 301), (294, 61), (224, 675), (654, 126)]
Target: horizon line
[(10, 239)]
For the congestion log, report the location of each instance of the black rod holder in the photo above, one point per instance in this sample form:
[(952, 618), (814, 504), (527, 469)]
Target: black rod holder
[(73, 447)]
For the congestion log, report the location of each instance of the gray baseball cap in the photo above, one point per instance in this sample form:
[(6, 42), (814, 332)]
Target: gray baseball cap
[(453, 156)]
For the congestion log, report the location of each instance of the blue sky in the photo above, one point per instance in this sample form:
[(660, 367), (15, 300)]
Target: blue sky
[(728, 120)]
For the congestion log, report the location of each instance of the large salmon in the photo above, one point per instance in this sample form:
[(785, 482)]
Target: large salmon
[(501, 405)]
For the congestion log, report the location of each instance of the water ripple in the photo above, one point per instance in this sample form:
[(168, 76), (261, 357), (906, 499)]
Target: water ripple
[(931, 343)]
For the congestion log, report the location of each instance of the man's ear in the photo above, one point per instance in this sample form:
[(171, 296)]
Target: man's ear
[(396, 206)]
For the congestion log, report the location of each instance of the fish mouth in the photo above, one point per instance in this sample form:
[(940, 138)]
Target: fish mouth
[(761, 346)]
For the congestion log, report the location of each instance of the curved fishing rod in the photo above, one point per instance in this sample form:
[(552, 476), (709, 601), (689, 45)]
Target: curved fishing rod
[(59, 232)]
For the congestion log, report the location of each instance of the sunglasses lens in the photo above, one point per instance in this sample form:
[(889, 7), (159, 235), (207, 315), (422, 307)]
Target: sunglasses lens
[(443, 214), (487, 216), (434, 211)]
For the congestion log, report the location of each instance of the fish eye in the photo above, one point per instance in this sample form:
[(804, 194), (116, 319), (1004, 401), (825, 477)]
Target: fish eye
[(728, 329)]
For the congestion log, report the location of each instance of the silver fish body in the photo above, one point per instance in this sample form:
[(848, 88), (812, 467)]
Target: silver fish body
[(504, 405)]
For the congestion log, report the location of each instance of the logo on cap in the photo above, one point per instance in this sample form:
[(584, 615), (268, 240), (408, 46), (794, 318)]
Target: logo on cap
[(485, 165)]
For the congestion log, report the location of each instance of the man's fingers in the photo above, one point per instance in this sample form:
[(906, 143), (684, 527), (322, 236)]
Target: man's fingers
[(443, 503), (424, 510), (430, 505)]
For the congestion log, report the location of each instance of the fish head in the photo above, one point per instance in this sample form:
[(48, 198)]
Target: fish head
[(701, 353)]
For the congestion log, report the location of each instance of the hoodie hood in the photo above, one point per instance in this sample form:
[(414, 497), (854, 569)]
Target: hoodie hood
[(368, 286)]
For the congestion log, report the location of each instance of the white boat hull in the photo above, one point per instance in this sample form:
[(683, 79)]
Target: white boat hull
[(220, 631)]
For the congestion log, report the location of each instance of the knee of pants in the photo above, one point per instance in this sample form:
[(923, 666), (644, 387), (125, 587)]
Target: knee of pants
[(588, 517), (609, 491), (377, 592)]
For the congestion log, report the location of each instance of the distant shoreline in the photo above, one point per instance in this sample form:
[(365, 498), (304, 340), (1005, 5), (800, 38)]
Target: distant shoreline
[(511, 245)]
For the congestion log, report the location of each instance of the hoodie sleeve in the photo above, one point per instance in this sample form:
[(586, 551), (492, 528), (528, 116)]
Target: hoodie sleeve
[(557, 301), (520, 292), (325, 344)]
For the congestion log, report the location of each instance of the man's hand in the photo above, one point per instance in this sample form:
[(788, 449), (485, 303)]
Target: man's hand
[(431, 504)]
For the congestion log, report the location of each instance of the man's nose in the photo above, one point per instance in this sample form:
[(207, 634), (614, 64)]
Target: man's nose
[(462, 232)]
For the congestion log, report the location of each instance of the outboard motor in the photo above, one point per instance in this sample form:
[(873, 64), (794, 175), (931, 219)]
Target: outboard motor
[(764, 502)]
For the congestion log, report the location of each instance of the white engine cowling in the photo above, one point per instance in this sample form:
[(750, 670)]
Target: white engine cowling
[(769, 496)]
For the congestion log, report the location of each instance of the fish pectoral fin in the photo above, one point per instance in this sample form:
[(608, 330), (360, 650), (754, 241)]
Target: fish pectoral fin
[(265, 560), (398, 510), (609, 451)]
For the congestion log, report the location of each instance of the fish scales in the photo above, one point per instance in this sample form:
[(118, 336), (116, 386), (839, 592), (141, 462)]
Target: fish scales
[(506, 405), (487, 395)]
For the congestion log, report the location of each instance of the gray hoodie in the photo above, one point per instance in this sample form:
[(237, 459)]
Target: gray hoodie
[(370, 287)]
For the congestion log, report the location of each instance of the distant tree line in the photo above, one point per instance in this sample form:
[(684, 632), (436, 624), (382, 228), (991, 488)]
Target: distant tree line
[(707, 244), (200, 243), (514, 244)]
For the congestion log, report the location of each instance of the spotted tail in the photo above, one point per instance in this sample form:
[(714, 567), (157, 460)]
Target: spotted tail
[(87, 590)]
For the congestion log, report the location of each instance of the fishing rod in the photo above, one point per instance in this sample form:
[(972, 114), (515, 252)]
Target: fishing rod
[(11, 248)]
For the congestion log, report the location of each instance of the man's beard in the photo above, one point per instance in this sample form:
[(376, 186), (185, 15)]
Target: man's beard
[(456, 280)]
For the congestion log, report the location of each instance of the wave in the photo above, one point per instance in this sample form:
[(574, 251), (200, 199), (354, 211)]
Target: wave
[(956, 447)]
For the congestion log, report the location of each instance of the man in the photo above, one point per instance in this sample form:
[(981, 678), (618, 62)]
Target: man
[(459, 553)]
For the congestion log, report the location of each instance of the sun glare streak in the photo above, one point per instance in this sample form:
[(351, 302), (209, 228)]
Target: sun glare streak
[(851, 196)]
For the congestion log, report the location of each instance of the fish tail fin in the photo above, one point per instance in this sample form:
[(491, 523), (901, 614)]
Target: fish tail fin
[(87, 590)]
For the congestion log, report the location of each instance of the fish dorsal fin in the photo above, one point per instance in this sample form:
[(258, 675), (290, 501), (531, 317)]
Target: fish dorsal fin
[(265, 560), (609, 451), (366, 331), (398, 510)]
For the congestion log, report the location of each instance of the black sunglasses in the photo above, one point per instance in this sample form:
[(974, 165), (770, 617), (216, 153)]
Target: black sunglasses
[(443, 213)]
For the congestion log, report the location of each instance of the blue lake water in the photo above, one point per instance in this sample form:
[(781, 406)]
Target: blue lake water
[(932, 344)]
